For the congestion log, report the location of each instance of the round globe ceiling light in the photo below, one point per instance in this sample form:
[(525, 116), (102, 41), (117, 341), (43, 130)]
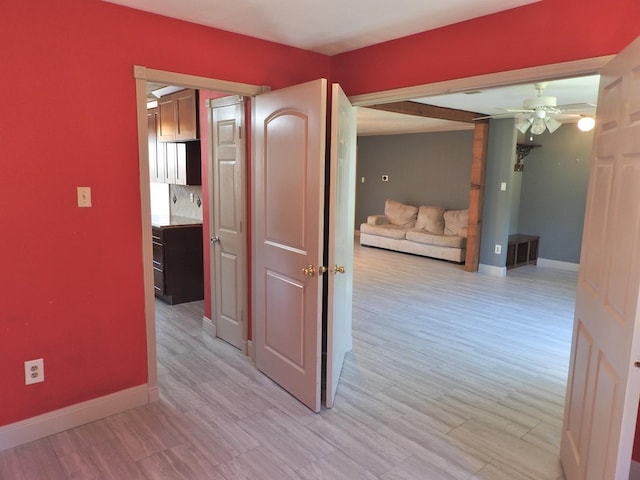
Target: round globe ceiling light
[(586, 123)]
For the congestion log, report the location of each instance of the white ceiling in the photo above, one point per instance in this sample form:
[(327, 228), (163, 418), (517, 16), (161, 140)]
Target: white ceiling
[(335, 26), (488, 102), (326, 26)]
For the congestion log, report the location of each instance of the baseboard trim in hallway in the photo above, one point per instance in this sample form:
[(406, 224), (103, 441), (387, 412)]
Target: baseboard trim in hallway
[(56, 421)]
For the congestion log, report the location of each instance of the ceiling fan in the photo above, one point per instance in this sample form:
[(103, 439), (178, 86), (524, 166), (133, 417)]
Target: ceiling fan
[(540, 112)]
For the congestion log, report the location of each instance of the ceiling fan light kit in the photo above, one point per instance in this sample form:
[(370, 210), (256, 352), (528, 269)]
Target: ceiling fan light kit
[(539, 113), (523, 124)]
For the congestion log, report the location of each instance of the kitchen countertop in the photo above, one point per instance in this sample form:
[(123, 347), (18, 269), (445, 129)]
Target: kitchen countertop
[(161, 221)]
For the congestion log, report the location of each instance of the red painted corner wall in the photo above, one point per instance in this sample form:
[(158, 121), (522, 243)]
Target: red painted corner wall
[(72, 278)]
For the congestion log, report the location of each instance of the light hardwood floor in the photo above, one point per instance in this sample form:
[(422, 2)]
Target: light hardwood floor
[(453, 376)]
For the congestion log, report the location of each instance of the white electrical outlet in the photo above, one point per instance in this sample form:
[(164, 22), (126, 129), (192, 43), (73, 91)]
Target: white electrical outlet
[(34, 371), (498, 249)]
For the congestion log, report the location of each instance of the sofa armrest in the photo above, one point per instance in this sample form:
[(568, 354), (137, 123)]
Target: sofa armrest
[(377, 220)]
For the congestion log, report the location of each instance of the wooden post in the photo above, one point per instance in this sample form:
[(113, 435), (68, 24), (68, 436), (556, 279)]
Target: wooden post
[(476, 195)]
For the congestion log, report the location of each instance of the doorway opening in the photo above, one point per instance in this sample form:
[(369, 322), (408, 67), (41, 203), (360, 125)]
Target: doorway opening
[(143, 75)]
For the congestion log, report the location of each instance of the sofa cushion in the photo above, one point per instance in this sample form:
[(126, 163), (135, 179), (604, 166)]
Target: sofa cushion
[(389, 231), (377, 220), (422, 236), (400, 214), (454, 220), (430, 219)]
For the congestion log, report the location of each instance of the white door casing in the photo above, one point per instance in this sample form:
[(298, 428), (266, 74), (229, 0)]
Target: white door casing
[(288, 211), (227, 216), (341, 204), (604, 386)]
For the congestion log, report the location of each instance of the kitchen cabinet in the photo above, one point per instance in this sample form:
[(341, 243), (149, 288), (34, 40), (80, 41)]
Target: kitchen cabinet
[(177, 263), (178, 116), (172, 162), (157, 162), (184, 166)]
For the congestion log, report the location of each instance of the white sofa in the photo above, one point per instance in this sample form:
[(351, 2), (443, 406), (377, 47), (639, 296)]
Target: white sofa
[(429, 231)]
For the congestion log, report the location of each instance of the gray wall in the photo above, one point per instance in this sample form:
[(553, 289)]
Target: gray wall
[(554, 192), (424, 169), (498, 207), (547, 199)]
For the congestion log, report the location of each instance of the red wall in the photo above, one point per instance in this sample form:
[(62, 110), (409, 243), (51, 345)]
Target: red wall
[(72, 290), (547, 32)]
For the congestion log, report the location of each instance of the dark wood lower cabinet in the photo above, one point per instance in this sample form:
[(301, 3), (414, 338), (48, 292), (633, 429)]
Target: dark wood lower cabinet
[(177, 263), (522, 250)]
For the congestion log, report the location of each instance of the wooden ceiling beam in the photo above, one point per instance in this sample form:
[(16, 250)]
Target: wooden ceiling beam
[(424, 110)]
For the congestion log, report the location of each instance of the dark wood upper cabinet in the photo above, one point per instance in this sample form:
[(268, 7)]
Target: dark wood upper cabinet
[(178, 116), (187, 115), (174, 150), (157, 163)]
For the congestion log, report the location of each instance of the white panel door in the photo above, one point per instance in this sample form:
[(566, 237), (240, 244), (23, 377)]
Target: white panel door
[(342, 189), (228, 240), (288, 212), (604, 386)]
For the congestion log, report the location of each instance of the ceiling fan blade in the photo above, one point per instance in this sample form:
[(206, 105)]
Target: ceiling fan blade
[(577, 106), (497, 115)]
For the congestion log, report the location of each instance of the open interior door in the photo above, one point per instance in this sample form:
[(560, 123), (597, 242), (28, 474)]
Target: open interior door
[(341, 204), (228, 272), (288, 211), (604, 386)]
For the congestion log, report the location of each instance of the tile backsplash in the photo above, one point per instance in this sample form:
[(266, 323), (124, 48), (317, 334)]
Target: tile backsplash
[(180, 202)]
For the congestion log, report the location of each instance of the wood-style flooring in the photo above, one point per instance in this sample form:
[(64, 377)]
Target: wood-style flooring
[(452, 376)]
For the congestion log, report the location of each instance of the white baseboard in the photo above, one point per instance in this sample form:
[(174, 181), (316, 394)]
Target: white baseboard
[(635, 471), (209, 326), (251, 351), (154, 393), (571, 267), (73, 416), (492, 270)]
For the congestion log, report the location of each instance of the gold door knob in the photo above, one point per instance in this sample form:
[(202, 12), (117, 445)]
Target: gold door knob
[(309, 270), (322, 270), (338, 269)]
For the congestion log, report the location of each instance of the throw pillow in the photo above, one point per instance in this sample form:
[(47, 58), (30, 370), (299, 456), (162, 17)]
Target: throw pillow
[(454, 220), (400, 214), (431, 219)]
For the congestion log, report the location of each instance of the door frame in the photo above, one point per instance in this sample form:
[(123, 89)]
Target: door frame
[(143, 74)]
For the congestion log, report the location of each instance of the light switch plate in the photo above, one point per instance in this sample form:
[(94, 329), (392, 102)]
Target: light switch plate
[(84, 196)]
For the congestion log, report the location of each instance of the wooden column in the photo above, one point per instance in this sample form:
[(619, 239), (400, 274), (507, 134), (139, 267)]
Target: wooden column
[(476, 193)]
